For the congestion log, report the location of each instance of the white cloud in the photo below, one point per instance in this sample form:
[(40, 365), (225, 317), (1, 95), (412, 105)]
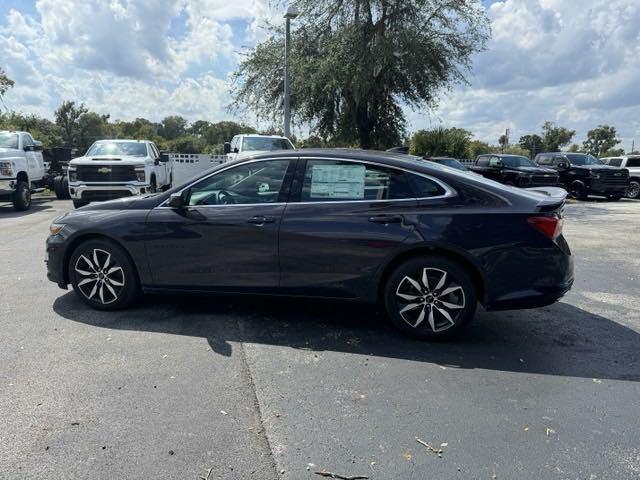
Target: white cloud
[(575, 63)]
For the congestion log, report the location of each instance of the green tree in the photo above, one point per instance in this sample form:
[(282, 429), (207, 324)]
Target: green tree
[(5, 83), (173, 127), (67, 118), (139, 129), (450, 142), (187, 144), (477, 147), (355, 63), (575, 148), (92, 127), (42, 129), (600, 139), (532, 144), (554, 137)]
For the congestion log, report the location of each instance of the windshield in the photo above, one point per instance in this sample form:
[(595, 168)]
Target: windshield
[(581, 159), (9, 140), (134, 149), (265, 143), (452, 162), (515, 162)]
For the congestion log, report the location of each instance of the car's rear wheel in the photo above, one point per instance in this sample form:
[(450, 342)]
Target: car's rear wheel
[(103, 276), (430, 297)]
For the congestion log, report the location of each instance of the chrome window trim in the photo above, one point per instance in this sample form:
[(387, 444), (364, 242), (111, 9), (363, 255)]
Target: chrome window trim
[(448, 191)]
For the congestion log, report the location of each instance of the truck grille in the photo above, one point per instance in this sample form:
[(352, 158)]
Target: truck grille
[(544, 180), (106, 173), (618, 178)]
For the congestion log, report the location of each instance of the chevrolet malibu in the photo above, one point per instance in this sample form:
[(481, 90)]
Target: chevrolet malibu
[(426, 242)]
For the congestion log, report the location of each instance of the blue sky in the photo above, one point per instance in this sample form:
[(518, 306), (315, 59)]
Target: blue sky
[(571, 62)]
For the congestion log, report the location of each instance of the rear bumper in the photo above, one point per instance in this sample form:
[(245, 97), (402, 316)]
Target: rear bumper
[(534, 298)]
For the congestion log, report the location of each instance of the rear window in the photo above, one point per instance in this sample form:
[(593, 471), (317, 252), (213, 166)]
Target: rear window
[(614, 162), (483, 161), (633, 162)]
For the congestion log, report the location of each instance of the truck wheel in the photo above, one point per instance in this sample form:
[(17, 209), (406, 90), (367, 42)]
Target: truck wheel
[(79, 203), (633, 190), (430, 297), (103, 275), (578, 190), (65, 189), (22, 197), (58, 187), (152, 186)]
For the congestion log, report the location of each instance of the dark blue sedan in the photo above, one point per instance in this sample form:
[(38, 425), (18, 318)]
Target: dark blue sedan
[(427, 242)]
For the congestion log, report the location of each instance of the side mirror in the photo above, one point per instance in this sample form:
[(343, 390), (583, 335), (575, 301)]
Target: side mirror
[(496, 164), (177, 201), (563, 166), (29, 148), (227, 148), (164, 157)]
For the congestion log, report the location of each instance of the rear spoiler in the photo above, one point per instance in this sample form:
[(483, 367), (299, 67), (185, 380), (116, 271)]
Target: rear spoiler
[(550, 197)]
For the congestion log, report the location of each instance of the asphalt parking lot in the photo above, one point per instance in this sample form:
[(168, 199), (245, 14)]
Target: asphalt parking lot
[(236, 389)]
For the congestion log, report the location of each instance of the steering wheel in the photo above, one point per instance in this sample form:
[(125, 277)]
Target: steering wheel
[(224, 198)]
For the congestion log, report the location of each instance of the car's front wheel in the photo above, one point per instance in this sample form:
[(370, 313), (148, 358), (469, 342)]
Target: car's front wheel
[(103, 276), (430, 297), (633, 190)]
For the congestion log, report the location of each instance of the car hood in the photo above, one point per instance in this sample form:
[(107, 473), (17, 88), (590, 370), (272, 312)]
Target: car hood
[(108, 160), (138, 202), (10, 153)]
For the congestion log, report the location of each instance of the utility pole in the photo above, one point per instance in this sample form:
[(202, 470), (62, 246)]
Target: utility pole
[(291, 13)]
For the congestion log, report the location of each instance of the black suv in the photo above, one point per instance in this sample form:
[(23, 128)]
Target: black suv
[(514, 170), (583, 175)]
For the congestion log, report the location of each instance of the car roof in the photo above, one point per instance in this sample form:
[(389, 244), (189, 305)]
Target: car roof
[(259, 135)]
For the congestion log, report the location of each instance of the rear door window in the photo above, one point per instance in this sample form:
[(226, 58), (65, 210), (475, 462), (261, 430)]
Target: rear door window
[(483, 161), (633, 162), (338, 180)]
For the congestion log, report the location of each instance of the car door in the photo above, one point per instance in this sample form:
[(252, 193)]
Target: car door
[(34, 169), (494, 172), (226, 237), (159, 167), (343, 220)]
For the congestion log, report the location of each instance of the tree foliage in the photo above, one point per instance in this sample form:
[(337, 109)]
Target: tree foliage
[(68, 119), (554, 137), (601, 139), (5, 83), (533, 144), (355, 63), (446, 142)]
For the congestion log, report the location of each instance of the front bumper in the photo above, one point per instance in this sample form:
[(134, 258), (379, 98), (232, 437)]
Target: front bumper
[(608, 188), (7, 186), (54, 260), (99, 192)]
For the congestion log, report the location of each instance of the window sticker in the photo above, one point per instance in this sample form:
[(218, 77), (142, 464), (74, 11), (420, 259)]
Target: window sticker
[(338, 181)]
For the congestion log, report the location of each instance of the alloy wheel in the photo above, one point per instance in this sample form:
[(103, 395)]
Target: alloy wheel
[(435, 297), (633, 191), (100, 277)]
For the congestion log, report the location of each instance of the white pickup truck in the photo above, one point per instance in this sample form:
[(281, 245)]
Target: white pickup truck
[(249, 144), (118, 168), (631, 163), (22, 168)]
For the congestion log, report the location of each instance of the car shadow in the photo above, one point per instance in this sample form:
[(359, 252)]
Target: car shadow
[(37, 205), (557, 340)]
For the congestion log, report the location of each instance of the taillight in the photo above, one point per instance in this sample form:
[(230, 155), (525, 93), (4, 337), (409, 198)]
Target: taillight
[(551, 227)]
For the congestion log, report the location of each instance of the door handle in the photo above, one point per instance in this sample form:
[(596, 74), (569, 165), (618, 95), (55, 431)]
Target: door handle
[(386, 219), (261, 220)]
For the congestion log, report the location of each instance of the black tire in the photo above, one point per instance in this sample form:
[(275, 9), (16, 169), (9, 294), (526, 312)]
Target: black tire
[(57, 187), (614, 198), (103, 276), (578, 190), (79, 203), (633, 191), (437, 327), (22, 196), (65, 189)]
